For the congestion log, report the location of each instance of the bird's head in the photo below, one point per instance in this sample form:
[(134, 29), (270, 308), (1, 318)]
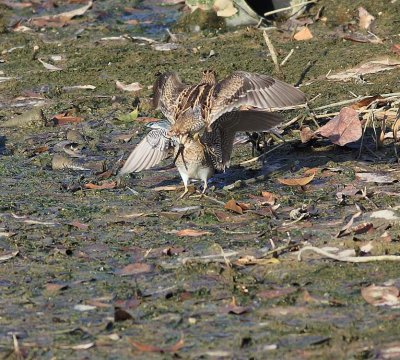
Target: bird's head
[(188, 126), (209, 77)]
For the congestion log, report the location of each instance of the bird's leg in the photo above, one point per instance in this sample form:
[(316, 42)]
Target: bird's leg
[(184, 193), (185, 179)]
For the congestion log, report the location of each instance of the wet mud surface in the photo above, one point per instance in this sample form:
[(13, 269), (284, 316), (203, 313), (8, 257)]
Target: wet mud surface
[(112, 272)]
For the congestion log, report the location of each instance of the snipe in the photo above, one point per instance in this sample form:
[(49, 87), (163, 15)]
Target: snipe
[(202, 120)]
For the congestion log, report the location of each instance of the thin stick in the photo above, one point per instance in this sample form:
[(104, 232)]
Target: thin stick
[(261, 156), (287, 57), (272, 12), (206, 258), (353, 259), (273, 53), (344, 102)]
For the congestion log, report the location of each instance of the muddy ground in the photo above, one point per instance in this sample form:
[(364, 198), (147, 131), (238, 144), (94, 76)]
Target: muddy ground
[(105, 273)]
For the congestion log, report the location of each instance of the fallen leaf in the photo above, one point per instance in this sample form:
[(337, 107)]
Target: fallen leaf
[(375, 178), (343, 128), (224, 8), (106, 185), (192, 233), (385, 214), (269, 197), (366, 19), (365, 102), (128, 87), (362, 228), (151, 348), (303, 34), (7, 256), (297, 181), (306, 134), (381, 295), (395, 49), (54, 288), (49, 66), (61, 19), (64, 118), (345, 230), (232, 205), (129, 117), (362, 38), (370, 67), (135, 269), (79, 225)]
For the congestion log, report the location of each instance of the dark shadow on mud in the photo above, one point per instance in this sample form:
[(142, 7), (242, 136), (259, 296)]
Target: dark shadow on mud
[(292, 157)]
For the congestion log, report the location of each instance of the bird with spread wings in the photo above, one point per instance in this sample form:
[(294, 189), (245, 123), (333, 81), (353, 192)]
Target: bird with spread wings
[(202, 120)]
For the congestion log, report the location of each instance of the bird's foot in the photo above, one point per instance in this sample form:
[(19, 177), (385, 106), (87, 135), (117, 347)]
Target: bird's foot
[(183, 194)]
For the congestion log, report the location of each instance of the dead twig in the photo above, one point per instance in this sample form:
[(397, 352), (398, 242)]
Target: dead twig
[(353, 259), (262, 155), (272, 12), (272, 51), (350, 101), (287, 57)]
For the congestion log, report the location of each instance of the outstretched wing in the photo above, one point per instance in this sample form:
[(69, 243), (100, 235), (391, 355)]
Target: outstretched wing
[(244, 88), (166, 90), (149, 152), (220, 139)]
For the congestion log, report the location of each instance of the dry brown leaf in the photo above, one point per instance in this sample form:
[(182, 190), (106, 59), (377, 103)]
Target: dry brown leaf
[(345, 230), (297, 181), (152, 348), (128, 87), (79, 225), (135, 269), (362, 38), (224, 8), (365, 102), (106, 185), (370, 67), (395, 49), (366, 19), (303, 34), (381, 295), (232, 205), (64, 118), (61, 19), (343, 128), (192, 233), (269, 197), (306, 134), (54, 288), (362, 228), (376, 178), (7, 256)]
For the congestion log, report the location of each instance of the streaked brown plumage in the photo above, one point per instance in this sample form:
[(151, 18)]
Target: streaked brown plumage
[(202, 120)]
